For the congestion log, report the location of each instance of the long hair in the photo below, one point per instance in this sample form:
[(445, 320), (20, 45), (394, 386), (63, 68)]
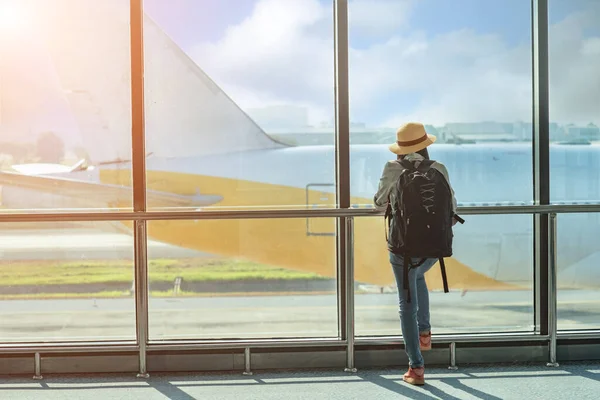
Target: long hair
[(422, 152)]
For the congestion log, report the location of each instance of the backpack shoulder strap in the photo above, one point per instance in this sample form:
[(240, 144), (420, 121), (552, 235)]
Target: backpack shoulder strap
[(425, 165), (406, 164), (444, 277)]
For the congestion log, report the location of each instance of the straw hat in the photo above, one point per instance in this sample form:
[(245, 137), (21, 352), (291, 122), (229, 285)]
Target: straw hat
[(411, 138)]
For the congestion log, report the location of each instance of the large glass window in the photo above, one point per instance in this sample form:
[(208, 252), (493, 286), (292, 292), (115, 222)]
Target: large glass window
[(65, 120), (490, 278), (578, 271), (574, 51), (254, 278), (66, 282), (461, 68), (235, 94)]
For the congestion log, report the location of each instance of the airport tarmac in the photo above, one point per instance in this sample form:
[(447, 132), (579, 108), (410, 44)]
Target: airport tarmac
[(269, 316), (69, 243), (251, 315)]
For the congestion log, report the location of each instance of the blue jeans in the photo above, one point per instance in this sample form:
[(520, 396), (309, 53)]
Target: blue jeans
[(414, 316)]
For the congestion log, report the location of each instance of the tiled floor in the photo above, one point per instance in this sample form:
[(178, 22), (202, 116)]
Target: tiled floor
[(569, 381)]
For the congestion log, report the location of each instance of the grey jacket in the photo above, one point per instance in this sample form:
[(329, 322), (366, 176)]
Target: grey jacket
[(391, 173)]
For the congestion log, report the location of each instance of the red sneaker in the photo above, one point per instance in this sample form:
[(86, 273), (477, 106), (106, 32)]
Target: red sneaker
[(415, 376), (425, 341)]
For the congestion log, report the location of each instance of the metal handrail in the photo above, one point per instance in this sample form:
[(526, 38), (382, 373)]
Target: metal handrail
[(552, 288), (352, 341), (184, 214)]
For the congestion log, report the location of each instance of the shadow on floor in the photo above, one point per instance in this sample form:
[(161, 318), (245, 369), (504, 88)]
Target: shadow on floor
[(176, 386)]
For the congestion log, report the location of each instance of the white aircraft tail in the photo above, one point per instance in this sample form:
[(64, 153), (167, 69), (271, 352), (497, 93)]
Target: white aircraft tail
[(187, 114)]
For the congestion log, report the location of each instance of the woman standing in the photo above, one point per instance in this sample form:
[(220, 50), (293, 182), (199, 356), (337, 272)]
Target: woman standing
[(411, 145)]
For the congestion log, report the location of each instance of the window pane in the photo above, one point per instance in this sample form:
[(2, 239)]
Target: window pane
[(229, 87), (253, 278), (463, 69), (490, 278), (66, 282), (574, 50), (65, 104), (578, 272)]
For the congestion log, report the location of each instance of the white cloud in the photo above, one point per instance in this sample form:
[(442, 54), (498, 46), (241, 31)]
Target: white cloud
[(591, 47), (283, 54), (379, 17), (575, 68), (460, 76)]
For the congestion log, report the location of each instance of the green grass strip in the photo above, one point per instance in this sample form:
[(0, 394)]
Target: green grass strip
[(104, 272)]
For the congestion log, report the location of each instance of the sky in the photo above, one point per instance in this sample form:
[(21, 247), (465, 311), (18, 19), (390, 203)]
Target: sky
[(435, 61)]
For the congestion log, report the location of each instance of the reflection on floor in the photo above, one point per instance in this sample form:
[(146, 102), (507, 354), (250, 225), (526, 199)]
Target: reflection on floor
[(573, 381)]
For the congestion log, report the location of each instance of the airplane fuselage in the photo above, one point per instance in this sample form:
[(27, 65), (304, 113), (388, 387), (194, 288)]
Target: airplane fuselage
[(493, 251)]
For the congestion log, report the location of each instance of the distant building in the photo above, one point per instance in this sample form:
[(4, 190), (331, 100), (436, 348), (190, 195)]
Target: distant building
[(461, 133), (590, 132), (466, 132), (432, 130), (487, 127)]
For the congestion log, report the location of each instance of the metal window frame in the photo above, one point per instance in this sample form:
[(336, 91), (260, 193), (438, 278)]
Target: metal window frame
[(342, 161), (542, 211), (308, 344), (138, 157), (541, 160)]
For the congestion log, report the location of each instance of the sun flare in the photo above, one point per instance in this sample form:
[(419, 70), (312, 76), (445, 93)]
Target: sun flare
[(11, 15)]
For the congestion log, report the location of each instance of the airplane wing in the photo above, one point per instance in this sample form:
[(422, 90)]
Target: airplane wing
[(100, 194)]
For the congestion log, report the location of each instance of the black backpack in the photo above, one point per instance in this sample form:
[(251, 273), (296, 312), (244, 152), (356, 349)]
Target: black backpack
[(419, 217)]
